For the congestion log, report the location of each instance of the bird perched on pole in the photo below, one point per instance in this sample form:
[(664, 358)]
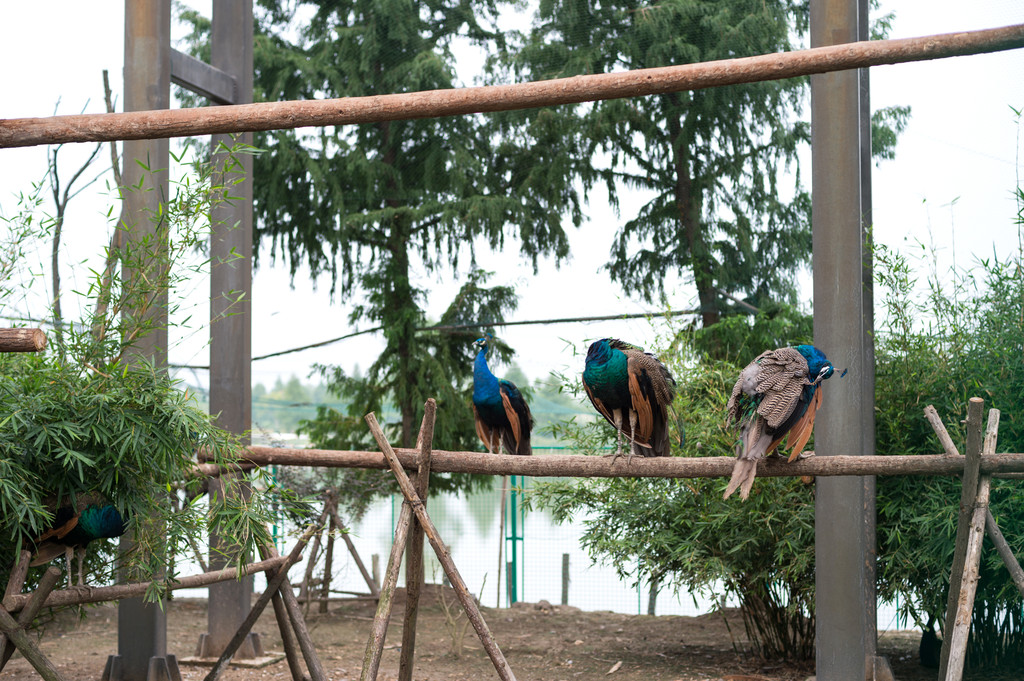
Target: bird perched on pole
[(503, 419), (633, 390), (74, 526), (776, 395)]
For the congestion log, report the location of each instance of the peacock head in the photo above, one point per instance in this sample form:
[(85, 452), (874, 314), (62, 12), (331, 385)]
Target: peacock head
[(599, 351), (818, 366), (481, 343)]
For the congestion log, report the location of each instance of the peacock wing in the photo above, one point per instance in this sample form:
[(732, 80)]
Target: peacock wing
[(780, 381), (802, 429), (484, 432)]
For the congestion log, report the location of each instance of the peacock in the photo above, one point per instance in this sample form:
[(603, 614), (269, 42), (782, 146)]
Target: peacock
[(74, 526), (633, 390), (503, 419), (776, 395)]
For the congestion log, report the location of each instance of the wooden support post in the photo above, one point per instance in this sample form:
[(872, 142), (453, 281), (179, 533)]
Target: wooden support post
[(436, 103), (443, 556), (99, 594), (968, 494), (999, 541), (35, 604), (502, 501), (27, 647), (273, 585), (991, 528), (414, 554), (375, 644), (22, 340), (565, 579), (307, 577), (371, 580), (288, 641), (332, 527), (968, 585)]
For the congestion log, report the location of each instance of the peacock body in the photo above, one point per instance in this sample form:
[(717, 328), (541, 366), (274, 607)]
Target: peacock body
[(776, 395), (503, 419), (74, 527), (633, 390)]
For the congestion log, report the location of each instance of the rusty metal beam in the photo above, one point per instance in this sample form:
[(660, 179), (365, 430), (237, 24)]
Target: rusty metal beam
[(844, 528), (141, 626), (231, 47), (203, 79)]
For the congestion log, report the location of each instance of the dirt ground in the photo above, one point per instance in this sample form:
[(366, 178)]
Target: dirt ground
[(540, 642)]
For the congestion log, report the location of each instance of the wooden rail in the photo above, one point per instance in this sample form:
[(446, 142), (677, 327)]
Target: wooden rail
[(23, 132), (574, 465)]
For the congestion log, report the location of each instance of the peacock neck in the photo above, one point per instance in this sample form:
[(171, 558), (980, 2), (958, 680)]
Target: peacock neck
[(484, 382)]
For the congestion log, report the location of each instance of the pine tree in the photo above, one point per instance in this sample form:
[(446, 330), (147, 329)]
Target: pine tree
[(710, 159), (372, 204)]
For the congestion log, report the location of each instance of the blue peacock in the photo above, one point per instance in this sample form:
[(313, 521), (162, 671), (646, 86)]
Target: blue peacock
[(503, 419), (777, 395), (633, 390), (75, 526)]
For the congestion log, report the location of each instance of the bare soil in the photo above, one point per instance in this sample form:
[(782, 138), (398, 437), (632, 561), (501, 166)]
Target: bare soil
[(541, 643)]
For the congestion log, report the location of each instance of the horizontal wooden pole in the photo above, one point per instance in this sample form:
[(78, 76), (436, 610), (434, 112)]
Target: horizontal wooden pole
[(23, 132), (22, 340), (574, 465), (99, 594)]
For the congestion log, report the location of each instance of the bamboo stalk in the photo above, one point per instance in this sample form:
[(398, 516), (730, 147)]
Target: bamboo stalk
[(273, 585), (28, 614), (22, 132), (381, 619), (968, 494), (27, 647), (443, 555), (414, 554), (80, 595), (22, 340), (574, 465)]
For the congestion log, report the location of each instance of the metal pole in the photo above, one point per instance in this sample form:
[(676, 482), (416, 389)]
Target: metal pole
[(231, 43), (142, 627), (845, 507)]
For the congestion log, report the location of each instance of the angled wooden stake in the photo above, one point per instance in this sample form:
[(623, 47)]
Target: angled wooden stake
[(371, 584), (273, 584), (968, 496), (29, 612), (24, 643), (443, 556), (375, 644), (291, 605), (414, 554)]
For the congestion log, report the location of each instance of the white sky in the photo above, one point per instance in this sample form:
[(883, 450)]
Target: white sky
[(952, 184)]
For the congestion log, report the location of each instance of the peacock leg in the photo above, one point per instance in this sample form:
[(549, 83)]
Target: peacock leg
[(632, 433), (80, 554), (67, 559), (618, 434)]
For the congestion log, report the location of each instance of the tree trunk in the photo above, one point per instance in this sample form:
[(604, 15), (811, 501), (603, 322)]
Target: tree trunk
[(689, 203)]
